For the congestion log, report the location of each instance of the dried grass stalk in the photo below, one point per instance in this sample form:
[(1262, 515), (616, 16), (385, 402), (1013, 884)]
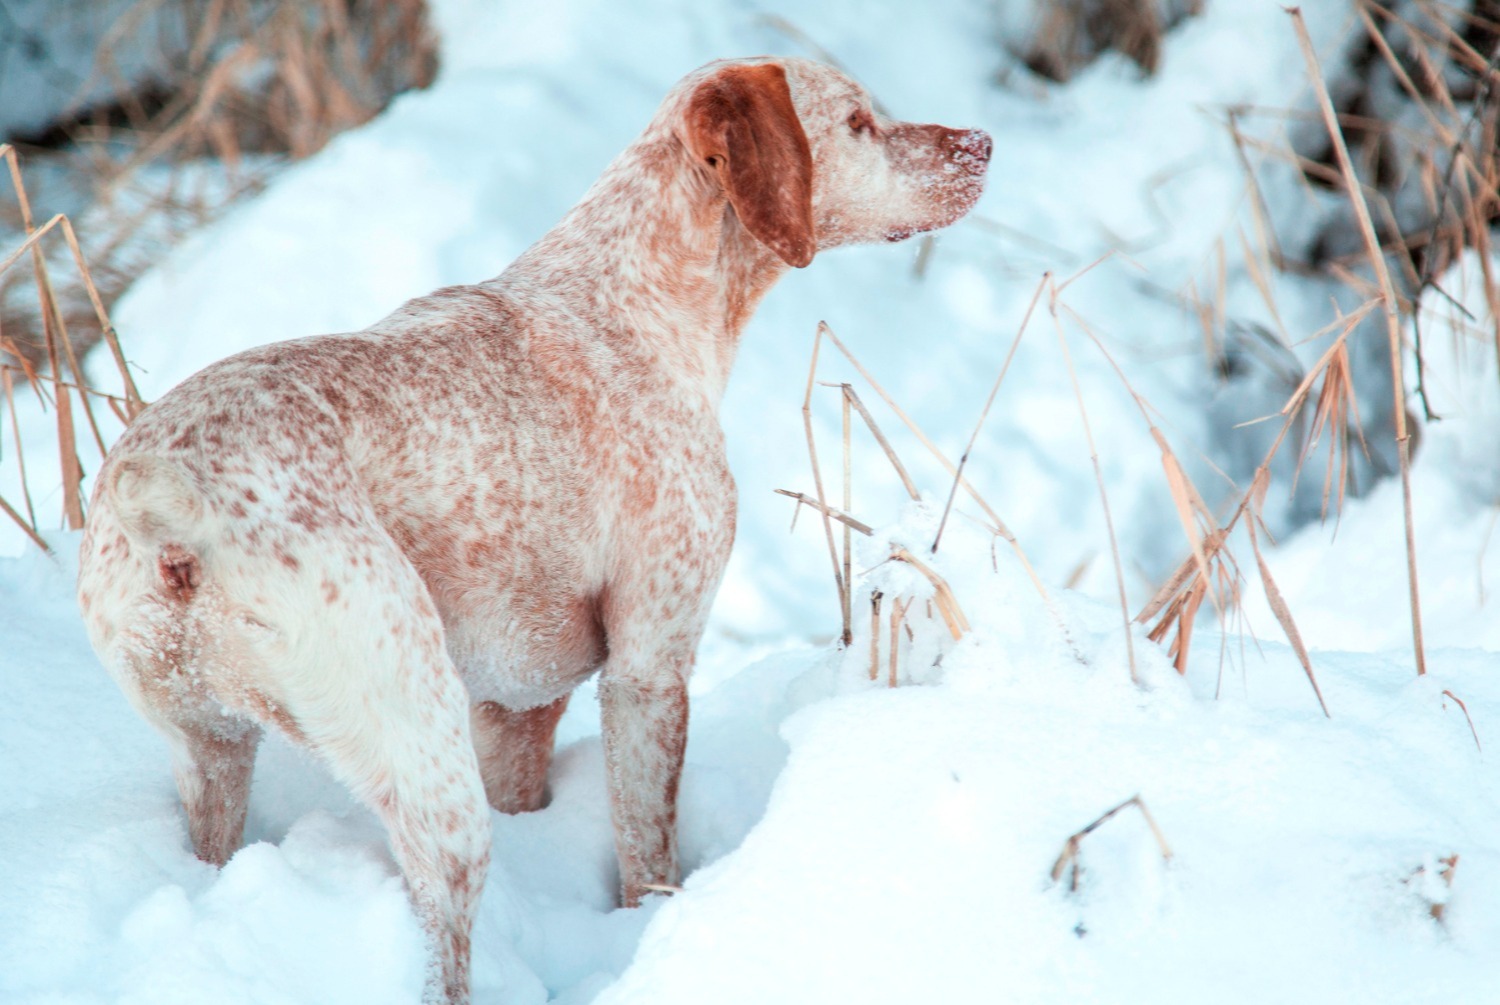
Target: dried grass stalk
[(1109, 522), (8, 385), (1211, 569), (848, 611), (899, 609), (1390, 306), (958, 474), (998, 525), (828, 511), (1465, 709), (1069, 854), (59, 350), (822, 500), (947, 603), (885, 445)]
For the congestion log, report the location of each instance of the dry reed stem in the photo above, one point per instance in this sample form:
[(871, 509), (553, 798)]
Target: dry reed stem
[(15, 427), (1465, 709), (885, 445), (812, 452), (898, 614), (72, 471), (1393, 321), (55, 327), (984, 412), (848, 543), (875, 596), (114, 401), (66, 443), (947, 603), (828, 511), (26, 528), (59, 347), (134, 403), (1109, 523), (1069, 854)]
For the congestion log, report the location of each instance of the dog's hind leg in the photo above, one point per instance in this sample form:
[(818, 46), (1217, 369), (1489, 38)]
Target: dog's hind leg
[(371, 689), (160, 665), (213, 767), (515, 751)]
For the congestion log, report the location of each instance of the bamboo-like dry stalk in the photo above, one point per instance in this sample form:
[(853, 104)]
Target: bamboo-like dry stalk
[(1392, 317), (898, 615), (822, 500), (828, 511), (885, 445), (15, 427), (848, 611)]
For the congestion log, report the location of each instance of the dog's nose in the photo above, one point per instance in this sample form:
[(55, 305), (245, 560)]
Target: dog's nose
[(977, 143)]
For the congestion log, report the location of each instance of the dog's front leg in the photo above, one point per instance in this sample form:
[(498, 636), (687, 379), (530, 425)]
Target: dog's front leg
[(645, 712)]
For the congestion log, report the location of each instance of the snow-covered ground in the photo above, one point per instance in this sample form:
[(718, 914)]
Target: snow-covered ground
[(847, 841)]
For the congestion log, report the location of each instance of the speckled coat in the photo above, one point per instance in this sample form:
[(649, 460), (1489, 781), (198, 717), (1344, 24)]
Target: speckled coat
[(404, 547)]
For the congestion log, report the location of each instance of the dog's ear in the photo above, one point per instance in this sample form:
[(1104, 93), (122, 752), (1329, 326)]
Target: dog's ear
[(741, 121)]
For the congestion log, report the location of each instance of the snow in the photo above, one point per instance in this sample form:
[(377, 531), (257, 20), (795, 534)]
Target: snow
[(842, 840)]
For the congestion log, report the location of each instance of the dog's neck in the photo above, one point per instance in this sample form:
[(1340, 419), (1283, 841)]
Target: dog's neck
[(662, 259)]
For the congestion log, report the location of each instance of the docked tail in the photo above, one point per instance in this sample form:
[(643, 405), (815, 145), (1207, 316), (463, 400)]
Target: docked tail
[(163, 512)]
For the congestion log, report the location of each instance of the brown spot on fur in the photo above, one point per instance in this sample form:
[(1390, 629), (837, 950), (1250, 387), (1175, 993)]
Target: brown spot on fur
[(305, 517)]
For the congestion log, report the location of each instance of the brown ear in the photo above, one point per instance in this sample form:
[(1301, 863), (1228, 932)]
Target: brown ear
[(742, 122)]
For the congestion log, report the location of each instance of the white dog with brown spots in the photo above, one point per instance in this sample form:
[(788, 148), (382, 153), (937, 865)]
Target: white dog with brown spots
[(406, 546)]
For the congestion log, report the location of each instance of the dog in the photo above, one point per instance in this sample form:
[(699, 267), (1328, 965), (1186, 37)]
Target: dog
[(403, 548)]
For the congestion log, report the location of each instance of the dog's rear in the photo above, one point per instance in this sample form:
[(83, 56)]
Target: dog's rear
[(205, 621)]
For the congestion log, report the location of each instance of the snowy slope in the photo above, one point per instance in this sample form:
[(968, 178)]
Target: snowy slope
[(847, 841)]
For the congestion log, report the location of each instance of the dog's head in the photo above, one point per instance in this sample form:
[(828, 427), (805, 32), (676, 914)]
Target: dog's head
[(806, 163)]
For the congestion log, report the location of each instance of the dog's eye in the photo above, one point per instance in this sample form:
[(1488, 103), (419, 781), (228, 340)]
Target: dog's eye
[(861, 122)]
